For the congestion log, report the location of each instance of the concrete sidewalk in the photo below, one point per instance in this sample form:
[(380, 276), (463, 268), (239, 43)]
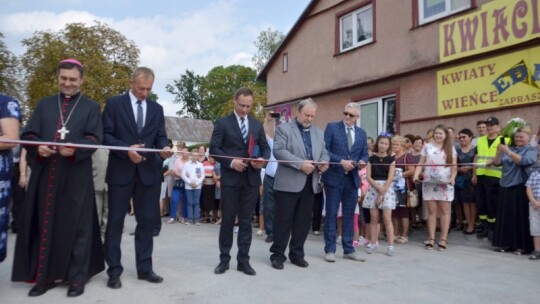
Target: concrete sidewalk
[(469, 271)]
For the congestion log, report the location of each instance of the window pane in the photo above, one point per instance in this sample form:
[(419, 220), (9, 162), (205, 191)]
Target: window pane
[(346, 32), (389, 105), (457, 5), (369, 119), (364, 25), (433, 7)]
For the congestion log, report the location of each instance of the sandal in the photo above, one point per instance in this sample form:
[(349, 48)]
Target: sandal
[(402, 240), (429, 244), (442, 247)]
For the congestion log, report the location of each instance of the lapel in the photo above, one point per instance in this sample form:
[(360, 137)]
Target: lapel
[(150, 113), (236, 127), (343, 134), (126, 105), (298, 136)]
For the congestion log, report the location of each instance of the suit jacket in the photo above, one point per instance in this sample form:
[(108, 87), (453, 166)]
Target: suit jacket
[(120, 129), (289, 146), (335, 138), (227, 140)]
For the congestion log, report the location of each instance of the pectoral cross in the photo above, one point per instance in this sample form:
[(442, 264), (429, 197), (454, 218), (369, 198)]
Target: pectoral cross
[(63, 132)]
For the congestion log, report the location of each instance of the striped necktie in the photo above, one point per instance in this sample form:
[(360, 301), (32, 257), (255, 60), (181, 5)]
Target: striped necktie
[(243, 128)]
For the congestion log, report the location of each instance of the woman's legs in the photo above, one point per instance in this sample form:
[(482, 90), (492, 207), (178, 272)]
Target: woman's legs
[(374, 222), (387, 218), (444, 211), (432, 219)]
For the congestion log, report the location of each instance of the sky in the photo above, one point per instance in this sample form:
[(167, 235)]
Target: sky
[(172, 35)]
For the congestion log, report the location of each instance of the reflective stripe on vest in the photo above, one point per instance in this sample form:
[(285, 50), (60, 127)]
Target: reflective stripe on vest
[(484, 154)]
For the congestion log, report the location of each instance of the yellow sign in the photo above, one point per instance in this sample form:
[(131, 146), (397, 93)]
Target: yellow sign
[(497, 24), (501, 81)]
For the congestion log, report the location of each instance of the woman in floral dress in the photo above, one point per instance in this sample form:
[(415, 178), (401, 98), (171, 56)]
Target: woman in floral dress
[(438, 163)]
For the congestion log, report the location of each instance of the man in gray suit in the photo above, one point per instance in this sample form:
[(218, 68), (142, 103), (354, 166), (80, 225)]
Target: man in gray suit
[(301, 146)]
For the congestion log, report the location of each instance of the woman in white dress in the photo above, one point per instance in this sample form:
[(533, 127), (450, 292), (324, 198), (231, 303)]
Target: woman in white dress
[(438, 163)]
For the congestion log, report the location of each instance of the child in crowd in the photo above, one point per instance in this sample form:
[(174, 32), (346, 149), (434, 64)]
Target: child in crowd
[(193, 176), (533, 193), (380, 194)]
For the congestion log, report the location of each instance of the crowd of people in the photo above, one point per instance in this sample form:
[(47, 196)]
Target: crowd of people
[(295, 176)]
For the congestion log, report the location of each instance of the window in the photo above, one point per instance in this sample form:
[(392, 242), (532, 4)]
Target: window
[(378, 115), (356, 28), (285, 62), (430, 10)]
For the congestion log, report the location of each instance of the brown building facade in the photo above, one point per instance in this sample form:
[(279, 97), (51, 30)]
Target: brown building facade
[(411, 64)]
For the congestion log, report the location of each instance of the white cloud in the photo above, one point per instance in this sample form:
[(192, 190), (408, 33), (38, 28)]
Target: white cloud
[(214, 35)]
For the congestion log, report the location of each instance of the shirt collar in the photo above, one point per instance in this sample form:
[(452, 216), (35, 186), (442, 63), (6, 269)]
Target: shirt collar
[(301, 127), (134, 99)]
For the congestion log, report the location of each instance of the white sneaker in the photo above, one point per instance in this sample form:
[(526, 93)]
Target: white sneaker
[(316, 232), (338, 240), (330, 257), (372, 248), (390, 251), (236, 229), (260, 232), (355, 256)]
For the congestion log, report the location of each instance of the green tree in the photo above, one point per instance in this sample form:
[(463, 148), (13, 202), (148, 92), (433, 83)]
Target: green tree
[(10, 76), (107, 55), (187, 93), (267, 43), (210, 97)]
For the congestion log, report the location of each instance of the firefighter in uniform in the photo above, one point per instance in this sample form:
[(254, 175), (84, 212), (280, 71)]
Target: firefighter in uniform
[(486, 177)]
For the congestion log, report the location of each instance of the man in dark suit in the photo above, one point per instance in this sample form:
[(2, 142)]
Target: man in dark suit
[(232, 139), (131, 120), (301, 145), (347, 145)]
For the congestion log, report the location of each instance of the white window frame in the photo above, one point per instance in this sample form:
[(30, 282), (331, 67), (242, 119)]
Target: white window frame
[(285, 62), (352, 14), (447, 11), (382, 113)]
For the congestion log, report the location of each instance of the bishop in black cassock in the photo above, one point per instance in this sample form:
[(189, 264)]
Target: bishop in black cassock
[(59, 238)]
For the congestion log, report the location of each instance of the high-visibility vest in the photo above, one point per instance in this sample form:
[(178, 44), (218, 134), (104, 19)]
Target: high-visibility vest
[(485, 153)]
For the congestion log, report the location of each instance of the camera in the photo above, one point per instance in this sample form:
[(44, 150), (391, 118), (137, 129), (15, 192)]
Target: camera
[(275, 115)]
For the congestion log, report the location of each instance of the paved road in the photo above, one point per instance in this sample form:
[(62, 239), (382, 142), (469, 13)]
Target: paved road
[(468, 272)]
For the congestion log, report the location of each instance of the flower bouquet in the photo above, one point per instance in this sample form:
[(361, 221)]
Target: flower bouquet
[(511, 127)]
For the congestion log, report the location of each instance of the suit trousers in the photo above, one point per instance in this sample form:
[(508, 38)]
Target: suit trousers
[(292, 222), (486, 195), (238, 200), (146, 204), (346, 194), (102, 206), (317, 212)]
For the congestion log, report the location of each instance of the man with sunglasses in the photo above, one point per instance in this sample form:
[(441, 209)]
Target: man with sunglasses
[(347, 145)]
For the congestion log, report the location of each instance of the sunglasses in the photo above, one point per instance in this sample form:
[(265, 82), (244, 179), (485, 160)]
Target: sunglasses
[(349, 114), (384, 134)]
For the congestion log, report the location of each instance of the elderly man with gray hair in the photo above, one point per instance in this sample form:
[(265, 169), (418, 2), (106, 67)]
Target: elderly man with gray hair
[(347, 145), (301, 146)]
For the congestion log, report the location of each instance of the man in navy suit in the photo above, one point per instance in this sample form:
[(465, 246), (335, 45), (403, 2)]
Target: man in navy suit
[(347, 145), (131, 120), (232, 139)]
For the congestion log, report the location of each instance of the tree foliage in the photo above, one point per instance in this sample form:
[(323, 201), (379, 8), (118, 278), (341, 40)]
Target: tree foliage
[(10, 76), (108, 58), (210, 97), (267, 43)]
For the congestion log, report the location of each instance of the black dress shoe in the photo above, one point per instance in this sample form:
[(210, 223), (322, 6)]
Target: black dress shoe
[(221, 267), (150, 277), (300, 262), (269, 239), (277, 264), (246, 268), (114, 283), (75, 290), (38, 290)]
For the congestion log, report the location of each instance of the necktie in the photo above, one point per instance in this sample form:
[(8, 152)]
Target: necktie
[(349, 137), (139, 116), (243, 128)]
